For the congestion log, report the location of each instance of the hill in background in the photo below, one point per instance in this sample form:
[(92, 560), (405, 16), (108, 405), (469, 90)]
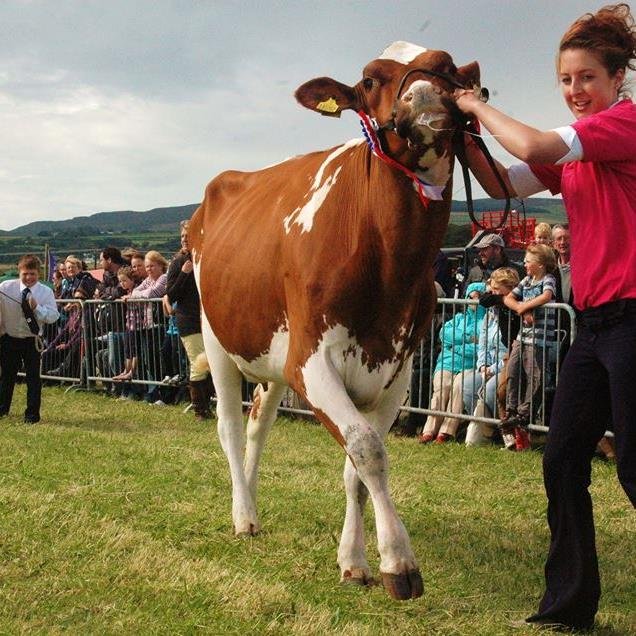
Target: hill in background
[(167, 219), (129, 221)]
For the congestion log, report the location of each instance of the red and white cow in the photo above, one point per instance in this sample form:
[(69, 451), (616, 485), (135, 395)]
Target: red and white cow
[(317, 273)]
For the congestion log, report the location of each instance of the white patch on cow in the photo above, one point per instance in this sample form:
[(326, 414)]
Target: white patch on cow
[(402, 52), (364, 385), (318, 191), (271, 364), (438, 168)]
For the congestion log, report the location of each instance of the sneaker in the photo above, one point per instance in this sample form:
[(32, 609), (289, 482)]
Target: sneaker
[(442, 438), (425, 438), (159, 403)]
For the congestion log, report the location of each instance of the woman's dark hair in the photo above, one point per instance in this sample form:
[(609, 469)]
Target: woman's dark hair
[(609, 33)]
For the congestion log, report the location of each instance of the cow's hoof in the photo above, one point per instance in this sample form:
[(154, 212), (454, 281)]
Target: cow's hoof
[(402, 587), (252, 531), (358, 576)]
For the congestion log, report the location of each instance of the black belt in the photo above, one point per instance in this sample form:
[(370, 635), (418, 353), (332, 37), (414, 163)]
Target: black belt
[(608, 314)]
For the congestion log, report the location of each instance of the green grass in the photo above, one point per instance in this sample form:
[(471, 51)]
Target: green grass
[(115, 519)]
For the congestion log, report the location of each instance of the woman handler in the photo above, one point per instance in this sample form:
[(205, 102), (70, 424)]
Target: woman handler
[(592, 163)]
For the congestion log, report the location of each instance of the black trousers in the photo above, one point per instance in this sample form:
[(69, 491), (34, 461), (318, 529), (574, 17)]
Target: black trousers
[(596, 389), (13, 351)]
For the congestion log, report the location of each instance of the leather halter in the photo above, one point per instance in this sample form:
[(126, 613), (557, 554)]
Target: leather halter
[(464, 124)]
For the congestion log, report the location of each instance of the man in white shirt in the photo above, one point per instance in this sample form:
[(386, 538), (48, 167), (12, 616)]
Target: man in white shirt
[(25, 305)]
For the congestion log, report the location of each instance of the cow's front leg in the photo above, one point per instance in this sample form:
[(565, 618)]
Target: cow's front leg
[(351, 551), (365, 447)]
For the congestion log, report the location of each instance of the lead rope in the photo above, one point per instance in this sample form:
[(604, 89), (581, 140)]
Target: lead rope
[(460, 153), (38, 342)]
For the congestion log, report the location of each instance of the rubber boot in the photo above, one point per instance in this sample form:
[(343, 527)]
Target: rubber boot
[(522, 439), (200, 398)]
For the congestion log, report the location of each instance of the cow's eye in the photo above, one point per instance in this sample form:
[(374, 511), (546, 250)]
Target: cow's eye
[(368, 83)]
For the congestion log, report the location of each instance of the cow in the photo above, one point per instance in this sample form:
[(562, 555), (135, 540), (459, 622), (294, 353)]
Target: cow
[(317, 273)]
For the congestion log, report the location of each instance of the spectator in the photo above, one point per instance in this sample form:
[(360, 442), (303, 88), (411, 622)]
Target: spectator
[(480, 385), (526, 356), (110, 318), (62, 357), (173, 358), (25, 305), (491, 257), (133, 322), (58, 280), (153, 286), (561, 243), (138, 265), (542, 234), (75, 274), (182, 290), (110, 260), (459, 337)]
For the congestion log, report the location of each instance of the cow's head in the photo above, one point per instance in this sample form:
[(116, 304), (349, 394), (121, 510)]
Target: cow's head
[(399, 92)]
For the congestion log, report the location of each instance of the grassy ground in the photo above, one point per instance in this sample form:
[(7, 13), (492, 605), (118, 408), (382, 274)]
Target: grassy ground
[(115, 519)]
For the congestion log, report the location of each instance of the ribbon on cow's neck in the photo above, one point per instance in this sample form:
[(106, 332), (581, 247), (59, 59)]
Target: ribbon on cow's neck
[(425, 191)]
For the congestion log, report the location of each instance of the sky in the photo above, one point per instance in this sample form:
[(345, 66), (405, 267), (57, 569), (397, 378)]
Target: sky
[(137, 104)]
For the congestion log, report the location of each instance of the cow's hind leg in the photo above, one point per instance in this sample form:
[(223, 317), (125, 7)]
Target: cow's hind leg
[(229, 410), (352, 558), (364, 445), (262, 416)]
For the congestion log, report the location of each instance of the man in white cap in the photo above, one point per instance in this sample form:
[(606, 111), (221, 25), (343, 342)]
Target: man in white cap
[(491, 256)]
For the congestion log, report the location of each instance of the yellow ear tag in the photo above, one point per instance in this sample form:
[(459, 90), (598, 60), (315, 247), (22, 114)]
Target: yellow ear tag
[(329, 106)]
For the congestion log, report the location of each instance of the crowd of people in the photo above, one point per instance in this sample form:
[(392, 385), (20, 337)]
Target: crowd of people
[(504, 342), (140, 334)]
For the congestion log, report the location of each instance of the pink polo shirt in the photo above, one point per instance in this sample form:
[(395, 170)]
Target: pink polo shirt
[(599, 193)]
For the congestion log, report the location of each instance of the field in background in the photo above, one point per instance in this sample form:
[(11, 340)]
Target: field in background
[(115, 518)]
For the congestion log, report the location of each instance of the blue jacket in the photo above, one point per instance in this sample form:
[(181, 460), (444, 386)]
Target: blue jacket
[(459, 337)]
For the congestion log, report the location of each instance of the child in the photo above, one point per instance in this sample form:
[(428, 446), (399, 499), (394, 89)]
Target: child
[(497, 331), (459, 337), (542, 234), (526, 356), (25, 305), (125, 277)]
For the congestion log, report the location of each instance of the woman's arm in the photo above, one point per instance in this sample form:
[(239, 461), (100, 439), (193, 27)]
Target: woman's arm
[(541, 299), (524, 142)]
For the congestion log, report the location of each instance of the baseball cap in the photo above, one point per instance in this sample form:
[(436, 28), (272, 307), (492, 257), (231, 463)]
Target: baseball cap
[(490, 239)]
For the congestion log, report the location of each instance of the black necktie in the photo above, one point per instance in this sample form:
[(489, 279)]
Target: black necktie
[(29, 316)]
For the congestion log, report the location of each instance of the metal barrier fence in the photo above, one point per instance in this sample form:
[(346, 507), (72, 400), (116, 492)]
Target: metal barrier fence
[(445, 392), (132, 348), (129, 347)]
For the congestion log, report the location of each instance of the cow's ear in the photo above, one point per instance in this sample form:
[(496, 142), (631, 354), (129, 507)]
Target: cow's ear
[(326, 96), (469, 74)]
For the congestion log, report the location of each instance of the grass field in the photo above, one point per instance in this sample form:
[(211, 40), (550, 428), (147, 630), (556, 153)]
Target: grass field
[(115, 519)]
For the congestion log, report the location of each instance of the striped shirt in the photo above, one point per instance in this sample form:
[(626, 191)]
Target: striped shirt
[(544, 327)]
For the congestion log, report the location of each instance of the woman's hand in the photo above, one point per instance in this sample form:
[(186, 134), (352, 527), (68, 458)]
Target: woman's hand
[(466, 100), (187, 267)]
